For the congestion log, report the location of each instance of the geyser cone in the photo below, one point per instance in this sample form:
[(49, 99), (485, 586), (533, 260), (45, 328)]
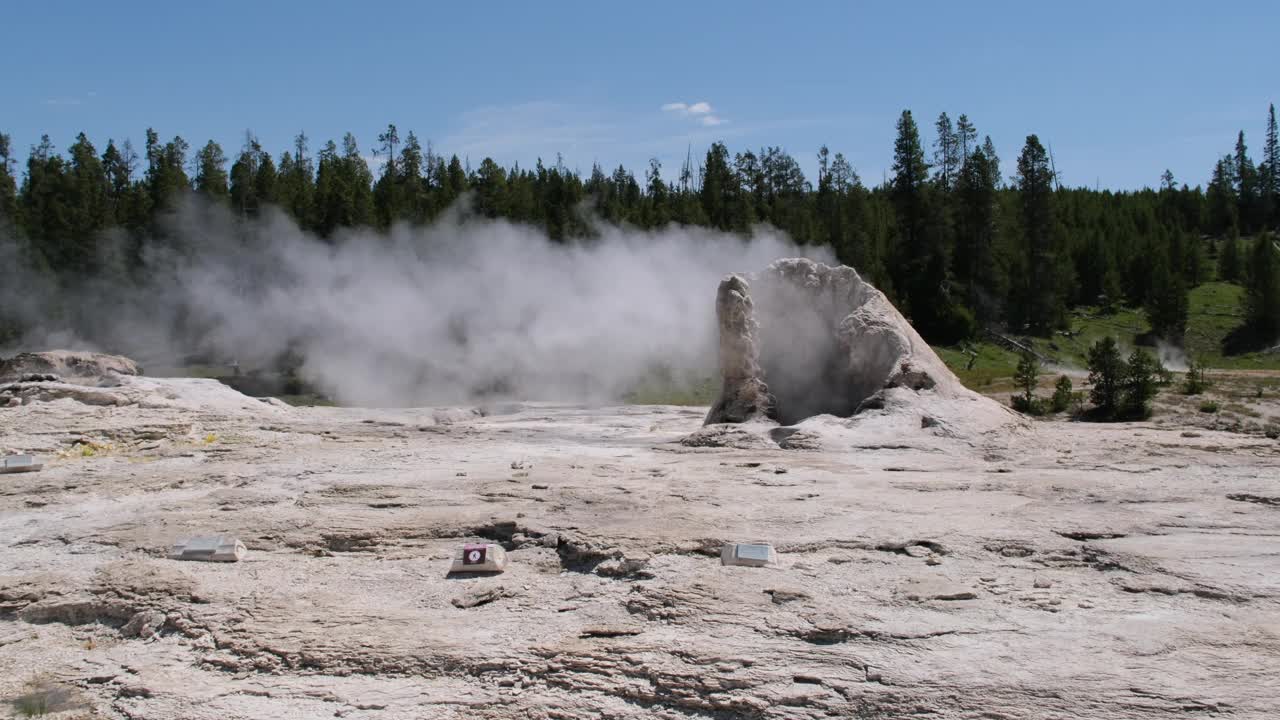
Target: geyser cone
[(803, 339)]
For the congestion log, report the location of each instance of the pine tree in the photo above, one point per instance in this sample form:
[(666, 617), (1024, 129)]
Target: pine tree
[(44, 203), (906, 192), (130, 203), (1246, 176), (1107, 372), (328, 191), (1063, 394), (359, 184), (1195, 259), (89, 203), (967, 137), (166, 178), (976, 269), (1140, 384), (922, 253), (414, 191), (657, 213), (490, 189), (456, 179), (1197, 380), (1229, 258), (719, 188), (1271, 171), (211, 172), (344, 195), (264, 181), (388, 140), (244, 173), (989, 149), (1041, 293), (296, 184), (1025, 378), (831, 207), (8, 185), (1262, 292), (389, 200), (1221, 197), (1167, 302), (946, 152)]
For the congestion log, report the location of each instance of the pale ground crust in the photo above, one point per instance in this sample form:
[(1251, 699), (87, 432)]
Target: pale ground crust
[(926, 568)]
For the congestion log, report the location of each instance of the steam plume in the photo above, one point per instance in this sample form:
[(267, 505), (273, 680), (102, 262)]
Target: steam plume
[(461, 309)]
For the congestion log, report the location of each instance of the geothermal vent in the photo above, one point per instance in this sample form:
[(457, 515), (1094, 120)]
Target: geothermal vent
[(803, 339)]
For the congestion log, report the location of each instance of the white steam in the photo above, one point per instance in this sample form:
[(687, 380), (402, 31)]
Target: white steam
[(449, 313), (1172, 357)]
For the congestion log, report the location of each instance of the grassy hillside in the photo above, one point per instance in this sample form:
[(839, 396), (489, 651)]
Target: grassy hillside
[(1215, 310)]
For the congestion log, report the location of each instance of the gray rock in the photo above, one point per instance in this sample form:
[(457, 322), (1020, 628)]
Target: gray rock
[(54, 365), (480, 596), (743, 395), (144, 624), (917, 551)]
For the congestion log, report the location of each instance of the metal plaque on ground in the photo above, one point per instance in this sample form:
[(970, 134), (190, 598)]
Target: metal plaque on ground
[(479, 557), (20, 463), (209, 548), (749, 555)]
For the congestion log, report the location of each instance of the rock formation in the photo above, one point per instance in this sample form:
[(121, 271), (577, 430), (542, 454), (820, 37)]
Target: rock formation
[(96, 379), (803, 339), (744, 394), (84, 368)]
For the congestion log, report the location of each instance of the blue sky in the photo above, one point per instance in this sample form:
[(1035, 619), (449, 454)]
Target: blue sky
[(1120, 90)]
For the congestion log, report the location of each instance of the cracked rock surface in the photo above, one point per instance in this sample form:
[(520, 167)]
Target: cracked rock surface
[(1060, 570)]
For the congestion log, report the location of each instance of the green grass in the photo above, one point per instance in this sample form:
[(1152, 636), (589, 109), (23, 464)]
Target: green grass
[(701, 392), (211, 372), (992, 364)]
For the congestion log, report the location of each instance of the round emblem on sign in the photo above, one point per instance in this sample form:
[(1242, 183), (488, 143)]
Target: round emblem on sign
[(474, 556)]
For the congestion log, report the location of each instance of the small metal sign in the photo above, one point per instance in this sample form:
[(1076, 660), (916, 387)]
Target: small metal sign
[(20, 463), (749, 554), (203, 545), (759, 553), (208, 548), (479, 558)]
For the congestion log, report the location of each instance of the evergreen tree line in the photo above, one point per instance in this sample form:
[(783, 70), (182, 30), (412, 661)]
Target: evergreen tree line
[(958, 247)]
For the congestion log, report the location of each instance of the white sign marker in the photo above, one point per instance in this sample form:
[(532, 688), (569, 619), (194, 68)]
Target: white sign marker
[(749, 555), (209, 549), (19, 464)]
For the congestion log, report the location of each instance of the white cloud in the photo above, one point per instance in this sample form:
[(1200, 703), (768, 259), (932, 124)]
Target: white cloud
[(62, 101), (701, 110)]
